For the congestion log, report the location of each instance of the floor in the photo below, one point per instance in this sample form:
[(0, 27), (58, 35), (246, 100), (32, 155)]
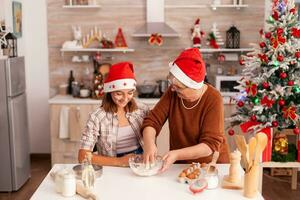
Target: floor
[(274, 188)]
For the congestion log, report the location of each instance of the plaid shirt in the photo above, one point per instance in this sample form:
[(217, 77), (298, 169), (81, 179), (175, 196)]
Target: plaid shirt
[(102, 129)]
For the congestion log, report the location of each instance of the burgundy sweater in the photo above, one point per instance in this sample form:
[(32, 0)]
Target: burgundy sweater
[(202, 124)]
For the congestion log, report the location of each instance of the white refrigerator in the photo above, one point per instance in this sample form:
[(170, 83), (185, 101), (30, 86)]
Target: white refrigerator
[(14, 137)]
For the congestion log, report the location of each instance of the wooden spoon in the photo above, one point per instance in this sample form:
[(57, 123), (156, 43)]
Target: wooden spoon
[(242, 147), (212, 165), (252, 148), (261, 140)]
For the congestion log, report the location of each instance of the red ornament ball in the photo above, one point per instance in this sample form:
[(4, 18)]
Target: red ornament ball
[(293, 10), (268, 35), (265, 85), (262, 44), (253, 118), (275, 123), (297, 54), (231, 132), (240, 104), (296, 131), (280, 58), (281, 102), (290, 83), (283, 75), (242, 62)]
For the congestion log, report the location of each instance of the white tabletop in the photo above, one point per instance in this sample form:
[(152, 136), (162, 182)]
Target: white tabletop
[(121, 184)]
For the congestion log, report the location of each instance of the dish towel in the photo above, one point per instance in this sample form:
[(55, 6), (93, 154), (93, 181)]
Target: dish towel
[(74, 124), (64, 123)]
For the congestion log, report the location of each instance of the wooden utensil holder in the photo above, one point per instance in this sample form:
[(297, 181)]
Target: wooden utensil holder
[(251, 182)]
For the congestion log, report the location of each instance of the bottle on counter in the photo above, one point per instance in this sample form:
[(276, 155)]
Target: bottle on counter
[(70, 80), (88, 172)]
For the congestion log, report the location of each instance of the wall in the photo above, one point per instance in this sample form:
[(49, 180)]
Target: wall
[(150, 62), (33, 45)]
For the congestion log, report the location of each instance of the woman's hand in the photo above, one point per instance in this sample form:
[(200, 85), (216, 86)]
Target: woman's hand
[(169, 159), (123, 161), (150, 151)]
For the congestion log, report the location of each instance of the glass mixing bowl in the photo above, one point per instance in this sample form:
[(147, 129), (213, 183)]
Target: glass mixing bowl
[(141, 169)]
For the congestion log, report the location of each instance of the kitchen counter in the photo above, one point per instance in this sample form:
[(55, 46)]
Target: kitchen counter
[(121, 184), (68, 99)]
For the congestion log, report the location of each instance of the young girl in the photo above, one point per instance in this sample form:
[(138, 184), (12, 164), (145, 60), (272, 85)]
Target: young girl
[(115, 126)]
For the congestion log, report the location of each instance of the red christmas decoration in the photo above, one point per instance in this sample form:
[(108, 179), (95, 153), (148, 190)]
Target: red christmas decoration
[(295, 32), (290, 83), (281, 102), (253, 118), (221, 58), (261, 31), (242, 62), (263, 57), (279, 39), (275, 123), (262, 44), (240, 104), (279, 31), (289, 112), (297, 54), (267, 102), (231, 132), (155, 38), (268, 35), (275, 15), (296, 131), (280, 58), (283, 75), (293, 10), (251, 88), (265, 85), (120, 40)]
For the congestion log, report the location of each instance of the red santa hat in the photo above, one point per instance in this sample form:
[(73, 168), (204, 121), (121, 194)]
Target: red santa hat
[(189, 68), (120, 77)]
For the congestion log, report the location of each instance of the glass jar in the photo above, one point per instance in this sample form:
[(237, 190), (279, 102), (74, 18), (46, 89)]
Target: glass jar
[(212, 179), (68, 185)]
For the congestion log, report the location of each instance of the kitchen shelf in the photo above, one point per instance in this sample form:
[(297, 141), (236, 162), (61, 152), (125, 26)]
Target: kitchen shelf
[(124, 50), (186, 6), (225, 50), (81, 6), (214, 7)]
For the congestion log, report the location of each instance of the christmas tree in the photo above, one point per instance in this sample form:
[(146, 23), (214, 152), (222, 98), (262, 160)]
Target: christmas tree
[(270, 87)]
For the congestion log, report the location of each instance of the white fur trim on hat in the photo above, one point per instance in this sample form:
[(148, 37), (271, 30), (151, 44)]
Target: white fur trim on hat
[(183, 78), (121, 84)]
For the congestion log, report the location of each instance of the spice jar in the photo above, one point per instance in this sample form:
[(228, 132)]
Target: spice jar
[(68, 185), (212, 179)]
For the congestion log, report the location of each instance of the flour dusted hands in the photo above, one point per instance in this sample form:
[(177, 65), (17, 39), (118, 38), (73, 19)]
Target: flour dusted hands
[(169, 159), (150, 152)]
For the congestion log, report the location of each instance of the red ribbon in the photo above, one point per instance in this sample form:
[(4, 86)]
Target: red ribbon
[(251, 88), (267, 102), (289, 112), (155, 38)]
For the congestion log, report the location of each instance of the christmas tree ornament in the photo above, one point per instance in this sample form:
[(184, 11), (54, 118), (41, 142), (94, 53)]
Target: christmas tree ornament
[(297, 54), (276, 63), (253, 118), (255, 100), (290, 83), (281, 102), (267, 102), (251, 88), (295, 32), (290, 113), (268, 35), (231, 132), (262, 44), (242, 62), (265, 85), (293, 10), (155, 39), (261, 31), (197, 34), (283, 75), (296, 131), (120, 41), (240, 104), (214, 38), (296, 89), (275, 123), (263, 57), (271, 20), (280, 58)]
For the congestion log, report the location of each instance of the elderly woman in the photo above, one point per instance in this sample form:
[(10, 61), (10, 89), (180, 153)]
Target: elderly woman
[(115, 127), (195, 113)]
